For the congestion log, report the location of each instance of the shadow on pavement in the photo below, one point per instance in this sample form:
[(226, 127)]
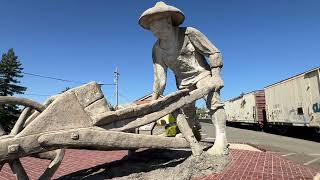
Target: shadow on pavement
[(143, 161)]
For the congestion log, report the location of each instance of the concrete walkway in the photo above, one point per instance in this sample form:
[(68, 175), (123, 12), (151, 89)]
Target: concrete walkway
[(299, 150)]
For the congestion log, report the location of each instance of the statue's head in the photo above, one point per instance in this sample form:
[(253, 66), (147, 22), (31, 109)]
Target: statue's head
[(161, 18), (161, 28)]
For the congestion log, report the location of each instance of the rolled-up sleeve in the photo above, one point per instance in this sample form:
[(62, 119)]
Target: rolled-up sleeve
[(160, 72), (201, 42), (157, 61)]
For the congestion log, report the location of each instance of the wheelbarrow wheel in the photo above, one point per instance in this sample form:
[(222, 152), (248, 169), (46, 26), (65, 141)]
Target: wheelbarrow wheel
[(55, 156)]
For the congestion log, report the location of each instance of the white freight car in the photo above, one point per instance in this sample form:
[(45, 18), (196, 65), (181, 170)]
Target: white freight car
[(247, 108), (295, 101)]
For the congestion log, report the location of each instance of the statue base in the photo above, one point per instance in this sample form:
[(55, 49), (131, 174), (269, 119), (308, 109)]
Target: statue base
[(162, 164)]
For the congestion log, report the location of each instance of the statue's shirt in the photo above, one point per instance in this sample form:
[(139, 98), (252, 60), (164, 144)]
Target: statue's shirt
[(187, 60)]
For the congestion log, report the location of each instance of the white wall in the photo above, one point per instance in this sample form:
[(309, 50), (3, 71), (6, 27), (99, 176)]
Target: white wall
[(242, 109)]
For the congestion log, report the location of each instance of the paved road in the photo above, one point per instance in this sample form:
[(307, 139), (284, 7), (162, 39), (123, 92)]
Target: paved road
[(302, 151)]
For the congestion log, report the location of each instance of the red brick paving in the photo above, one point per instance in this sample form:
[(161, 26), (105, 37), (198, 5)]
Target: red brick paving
[(262, 165), (74, 160), (244, 165)]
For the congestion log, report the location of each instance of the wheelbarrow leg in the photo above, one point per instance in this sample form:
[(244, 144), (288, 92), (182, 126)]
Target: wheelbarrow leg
[(132, 151), (20, 122), (54, 165), (1, 165), (188, 135), (18, 170), (2, 132)]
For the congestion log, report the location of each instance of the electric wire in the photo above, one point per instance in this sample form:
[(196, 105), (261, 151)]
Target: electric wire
[(60, 79)]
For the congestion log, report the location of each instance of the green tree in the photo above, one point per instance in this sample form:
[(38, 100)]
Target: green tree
[(65, 89), (10, 72), (201, 112)]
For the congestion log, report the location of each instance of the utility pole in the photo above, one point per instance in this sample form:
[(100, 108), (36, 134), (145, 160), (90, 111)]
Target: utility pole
[(116, 81)]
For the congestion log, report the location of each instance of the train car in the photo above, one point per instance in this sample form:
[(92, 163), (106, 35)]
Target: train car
[(247, 109), (295, 101)]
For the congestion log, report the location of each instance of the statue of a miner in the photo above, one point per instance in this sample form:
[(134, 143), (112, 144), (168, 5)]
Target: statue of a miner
[(183, 50)]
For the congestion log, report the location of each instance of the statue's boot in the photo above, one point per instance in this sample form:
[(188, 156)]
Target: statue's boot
[(220, 146)]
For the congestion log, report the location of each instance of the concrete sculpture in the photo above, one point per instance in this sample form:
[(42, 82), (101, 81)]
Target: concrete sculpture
[(81, 119), (183, 50)]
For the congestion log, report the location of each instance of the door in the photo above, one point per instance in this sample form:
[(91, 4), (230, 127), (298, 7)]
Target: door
[(312, 98)]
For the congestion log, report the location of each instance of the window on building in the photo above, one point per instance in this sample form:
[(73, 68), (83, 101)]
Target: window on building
[(300, 111)]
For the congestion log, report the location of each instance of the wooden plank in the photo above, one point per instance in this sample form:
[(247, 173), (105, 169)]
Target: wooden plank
[(100, 139), (139, 110), (22, 101), (143, 120)]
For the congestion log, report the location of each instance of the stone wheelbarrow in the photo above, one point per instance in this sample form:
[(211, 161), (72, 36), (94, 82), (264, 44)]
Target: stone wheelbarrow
[(81, 119)]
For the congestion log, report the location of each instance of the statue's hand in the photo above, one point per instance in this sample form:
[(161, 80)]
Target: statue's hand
[(217, 82)]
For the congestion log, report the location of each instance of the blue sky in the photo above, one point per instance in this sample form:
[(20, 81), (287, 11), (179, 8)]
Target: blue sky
[(261, 41)]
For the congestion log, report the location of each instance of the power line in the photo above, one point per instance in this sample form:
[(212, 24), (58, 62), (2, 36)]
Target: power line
[(54, 78), (107, 84), (34, 94), (60, 79), (125, 97)]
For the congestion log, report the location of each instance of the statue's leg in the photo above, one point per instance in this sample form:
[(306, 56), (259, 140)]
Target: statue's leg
[(219, 117), (188, 135), (186, 121), (190, 114)]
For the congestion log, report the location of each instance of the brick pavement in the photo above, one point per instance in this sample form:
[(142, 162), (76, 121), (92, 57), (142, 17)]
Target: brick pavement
[(262, 165), (244, 165), (74, 160)]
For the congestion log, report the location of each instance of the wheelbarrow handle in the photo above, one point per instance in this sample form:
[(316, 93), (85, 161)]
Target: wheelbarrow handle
[(22, 101)]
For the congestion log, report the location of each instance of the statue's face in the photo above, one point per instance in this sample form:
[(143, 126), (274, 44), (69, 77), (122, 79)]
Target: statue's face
[(161, 28)]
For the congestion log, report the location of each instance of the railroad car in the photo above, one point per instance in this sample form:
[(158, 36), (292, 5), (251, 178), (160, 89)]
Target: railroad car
[(295, 101), (291, 102), (247, 109)]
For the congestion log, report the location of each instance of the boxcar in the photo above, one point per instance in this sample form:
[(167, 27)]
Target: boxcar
[(295, 101), (247, 108)]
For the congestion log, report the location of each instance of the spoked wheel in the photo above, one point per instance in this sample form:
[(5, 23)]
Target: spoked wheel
[(24, 119)]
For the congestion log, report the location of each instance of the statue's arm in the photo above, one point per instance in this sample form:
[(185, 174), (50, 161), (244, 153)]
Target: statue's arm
[(206, 47), (160, 76), (216, 64)]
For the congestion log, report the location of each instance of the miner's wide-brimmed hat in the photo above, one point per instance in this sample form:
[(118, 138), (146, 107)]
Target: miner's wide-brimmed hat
[(161, 10)]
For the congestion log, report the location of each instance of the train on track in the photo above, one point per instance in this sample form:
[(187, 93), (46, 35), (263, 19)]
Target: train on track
[(291, 102)]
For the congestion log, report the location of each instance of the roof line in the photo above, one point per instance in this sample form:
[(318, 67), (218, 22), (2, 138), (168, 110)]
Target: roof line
[(292, 77), (242, 94), (145, 97)]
